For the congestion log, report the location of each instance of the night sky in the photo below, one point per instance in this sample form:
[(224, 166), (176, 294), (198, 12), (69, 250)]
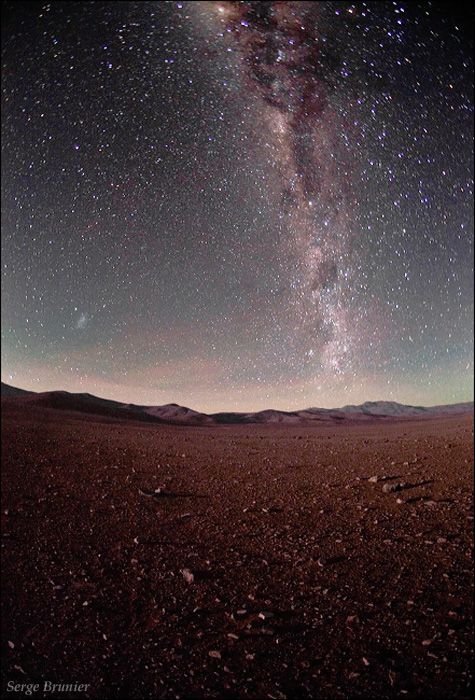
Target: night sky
[(238, 205)]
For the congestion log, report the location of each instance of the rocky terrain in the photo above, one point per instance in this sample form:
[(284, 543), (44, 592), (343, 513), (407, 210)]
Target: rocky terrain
[(243, 561)]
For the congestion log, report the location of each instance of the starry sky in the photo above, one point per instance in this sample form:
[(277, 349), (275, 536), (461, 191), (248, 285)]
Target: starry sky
[(238, 205)]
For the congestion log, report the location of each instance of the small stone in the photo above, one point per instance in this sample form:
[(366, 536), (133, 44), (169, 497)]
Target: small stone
[(391, 488), (392, 677), (373, 479), (187, 575), (214, 654), (11, 645), (265, 615)]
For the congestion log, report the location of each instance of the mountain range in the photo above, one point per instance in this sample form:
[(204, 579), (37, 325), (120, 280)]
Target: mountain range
[(175, 414)]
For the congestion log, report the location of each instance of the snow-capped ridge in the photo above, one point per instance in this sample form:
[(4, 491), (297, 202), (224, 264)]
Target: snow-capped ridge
[(174, 413)]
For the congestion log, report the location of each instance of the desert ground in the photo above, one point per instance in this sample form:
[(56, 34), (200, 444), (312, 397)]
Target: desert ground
[(153, 561)]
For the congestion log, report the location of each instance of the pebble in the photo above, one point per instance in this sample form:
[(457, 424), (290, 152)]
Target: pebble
[(392, 488), (187, 575)]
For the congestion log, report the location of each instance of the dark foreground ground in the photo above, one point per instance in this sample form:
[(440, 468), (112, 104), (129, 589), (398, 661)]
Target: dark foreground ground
[(302, 578)]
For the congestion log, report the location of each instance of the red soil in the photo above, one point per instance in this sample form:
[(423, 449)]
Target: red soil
[(302, 577)]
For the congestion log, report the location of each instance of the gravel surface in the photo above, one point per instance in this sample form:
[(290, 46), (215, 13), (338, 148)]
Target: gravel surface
[(237, 562)]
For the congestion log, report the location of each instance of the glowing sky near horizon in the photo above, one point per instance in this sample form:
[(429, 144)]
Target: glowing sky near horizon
[(238, 205)]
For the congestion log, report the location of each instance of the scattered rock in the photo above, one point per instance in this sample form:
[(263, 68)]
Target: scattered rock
[(392, 488), (266, 614), (152, 494), (269, 620), (392, 677), (187, 575)]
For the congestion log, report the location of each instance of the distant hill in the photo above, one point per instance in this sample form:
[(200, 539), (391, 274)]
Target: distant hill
[(7, 390), (175, 414), (392, 408), (179, 414), (82, 403)]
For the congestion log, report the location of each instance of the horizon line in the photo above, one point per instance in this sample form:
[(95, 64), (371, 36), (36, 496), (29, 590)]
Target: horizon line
[(280, 410)]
